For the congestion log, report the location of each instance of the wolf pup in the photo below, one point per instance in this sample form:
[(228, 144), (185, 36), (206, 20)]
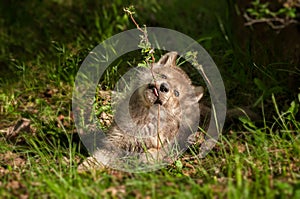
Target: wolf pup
[(154, 119)]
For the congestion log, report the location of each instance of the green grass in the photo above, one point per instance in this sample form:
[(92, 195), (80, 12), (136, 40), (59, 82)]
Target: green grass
[(42, 45)]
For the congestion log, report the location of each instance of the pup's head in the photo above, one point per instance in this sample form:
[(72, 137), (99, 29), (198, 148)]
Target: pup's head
[(170, 86)]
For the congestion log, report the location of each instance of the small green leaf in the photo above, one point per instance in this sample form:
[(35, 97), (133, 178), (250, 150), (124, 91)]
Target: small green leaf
[(178, 165), (292, 13)]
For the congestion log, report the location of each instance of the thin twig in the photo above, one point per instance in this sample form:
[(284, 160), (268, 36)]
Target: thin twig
[(158, 136), (145, 37), (151, 52)]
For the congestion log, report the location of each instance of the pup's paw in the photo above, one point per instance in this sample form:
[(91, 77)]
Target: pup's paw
[(89, 164)]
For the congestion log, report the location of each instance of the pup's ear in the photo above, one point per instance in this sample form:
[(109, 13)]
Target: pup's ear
[(168, 59), (199, 91)]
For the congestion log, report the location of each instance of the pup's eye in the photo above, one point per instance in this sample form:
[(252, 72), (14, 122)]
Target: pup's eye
[(163, 76), (176, 93)]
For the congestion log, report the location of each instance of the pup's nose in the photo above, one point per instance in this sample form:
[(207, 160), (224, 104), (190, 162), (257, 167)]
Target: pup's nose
[(164, 87)]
